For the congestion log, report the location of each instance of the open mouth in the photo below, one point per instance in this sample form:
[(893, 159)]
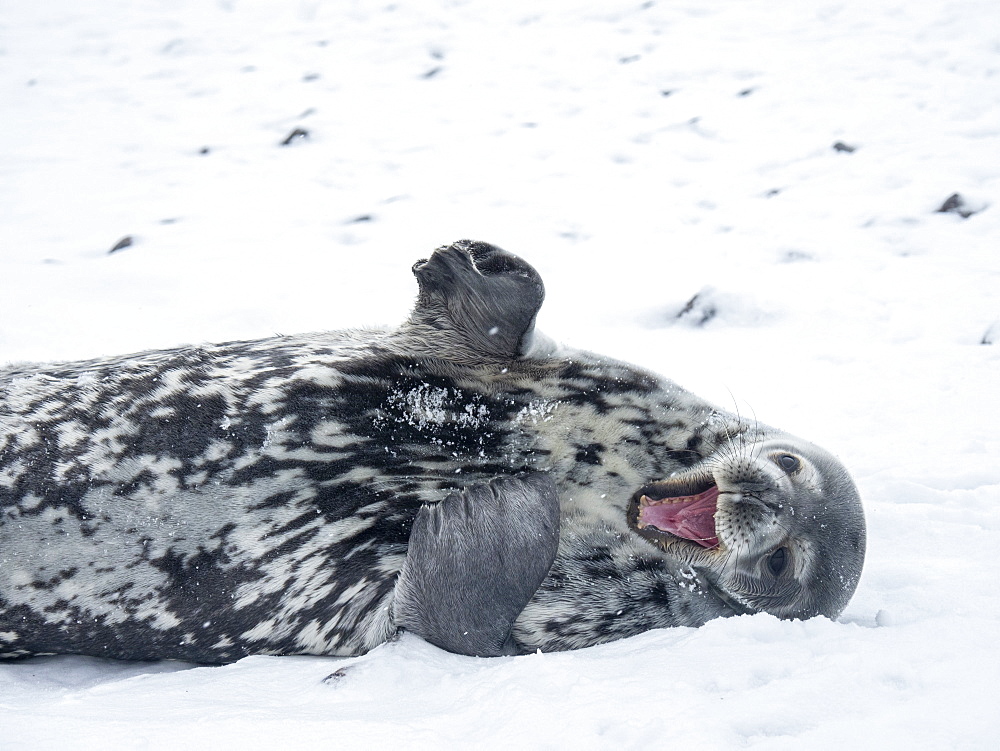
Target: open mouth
[(690, 517)]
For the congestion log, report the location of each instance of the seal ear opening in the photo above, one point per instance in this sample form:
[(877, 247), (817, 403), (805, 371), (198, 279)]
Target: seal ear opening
[(476, 301)]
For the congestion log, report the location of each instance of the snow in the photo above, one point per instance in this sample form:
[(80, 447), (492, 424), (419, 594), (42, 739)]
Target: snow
[(637, 154)]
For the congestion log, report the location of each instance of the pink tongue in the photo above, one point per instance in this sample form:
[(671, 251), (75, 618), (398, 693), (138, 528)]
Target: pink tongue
[(692, 518)]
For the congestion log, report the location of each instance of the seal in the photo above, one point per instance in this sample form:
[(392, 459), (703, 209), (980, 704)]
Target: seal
[(459, 477)]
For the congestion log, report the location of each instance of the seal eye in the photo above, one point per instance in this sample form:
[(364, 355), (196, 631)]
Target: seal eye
[(788, 462), (777, 561)]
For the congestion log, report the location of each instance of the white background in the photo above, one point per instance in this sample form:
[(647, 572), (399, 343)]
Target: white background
[(636, 154)]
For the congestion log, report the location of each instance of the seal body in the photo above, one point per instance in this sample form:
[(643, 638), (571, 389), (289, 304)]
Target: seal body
[(458, 477)]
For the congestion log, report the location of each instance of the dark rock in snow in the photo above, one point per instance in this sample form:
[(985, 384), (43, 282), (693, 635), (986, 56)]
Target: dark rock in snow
[(697, 311), (846, 148), (125, 242), (295, 135), (956, 204), (336, 676)]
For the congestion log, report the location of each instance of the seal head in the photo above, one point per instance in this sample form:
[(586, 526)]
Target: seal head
[(774, 524)]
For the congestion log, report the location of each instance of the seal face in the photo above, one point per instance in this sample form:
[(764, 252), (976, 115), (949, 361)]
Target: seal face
[(748, 516), (459, 477)]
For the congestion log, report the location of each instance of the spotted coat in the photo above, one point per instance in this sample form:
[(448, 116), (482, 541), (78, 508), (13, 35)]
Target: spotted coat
[(206, 503)]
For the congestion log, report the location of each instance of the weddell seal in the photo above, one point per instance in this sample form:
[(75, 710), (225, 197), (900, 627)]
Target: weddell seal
[(459, 477)]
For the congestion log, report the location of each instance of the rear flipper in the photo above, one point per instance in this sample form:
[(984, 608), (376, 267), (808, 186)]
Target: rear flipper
[(477, 303), (474, 562)]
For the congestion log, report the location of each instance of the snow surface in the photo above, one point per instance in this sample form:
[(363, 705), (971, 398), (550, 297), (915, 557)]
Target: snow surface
[(637, 154)]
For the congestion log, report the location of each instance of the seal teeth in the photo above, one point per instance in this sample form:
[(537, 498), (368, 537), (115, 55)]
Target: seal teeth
[(677, 489), (690, 517), (647, 501)]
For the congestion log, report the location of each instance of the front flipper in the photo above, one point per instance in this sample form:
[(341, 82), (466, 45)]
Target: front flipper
[(474, 562), (476, 302)]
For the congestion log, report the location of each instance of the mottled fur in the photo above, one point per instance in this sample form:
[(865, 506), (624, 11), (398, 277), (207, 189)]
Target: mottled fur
[(206, 503)]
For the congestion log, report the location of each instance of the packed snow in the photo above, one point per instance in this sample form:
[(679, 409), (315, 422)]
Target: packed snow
[(790, 208)]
